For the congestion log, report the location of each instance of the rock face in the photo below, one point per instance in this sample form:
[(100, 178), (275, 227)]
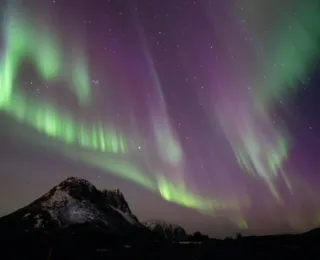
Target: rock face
[(115, 199), (76, 202), (171, 232)]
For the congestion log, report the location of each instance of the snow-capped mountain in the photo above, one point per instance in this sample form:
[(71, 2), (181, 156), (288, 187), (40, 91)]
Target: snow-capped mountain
[(72, 203), (171, 232)]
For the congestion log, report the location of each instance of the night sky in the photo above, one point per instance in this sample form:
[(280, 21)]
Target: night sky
[(213, 106)]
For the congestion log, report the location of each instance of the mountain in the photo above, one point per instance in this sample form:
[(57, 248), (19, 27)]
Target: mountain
[(75, 220), (115, 199), (76, 207), (171, 232)]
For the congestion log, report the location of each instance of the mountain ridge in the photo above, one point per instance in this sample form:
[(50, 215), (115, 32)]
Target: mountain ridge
[(75, 220), (74, 201), (76, 204), (170, 231)]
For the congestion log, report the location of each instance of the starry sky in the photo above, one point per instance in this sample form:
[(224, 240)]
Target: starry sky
[(212, 106)]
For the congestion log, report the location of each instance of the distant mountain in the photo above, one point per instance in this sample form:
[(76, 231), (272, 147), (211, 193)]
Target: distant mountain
[(171, 232), (76, 206), (198, 237)]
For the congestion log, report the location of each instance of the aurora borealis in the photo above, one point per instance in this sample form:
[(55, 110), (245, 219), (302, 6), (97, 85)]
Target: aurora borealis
[(207, 105)]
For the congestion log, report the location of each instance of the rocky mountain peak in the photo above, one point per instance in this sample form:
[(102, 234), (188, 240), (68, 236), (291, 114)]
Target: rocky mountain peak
[(76, 183), (76, 201), (170, 231), (75, 206), (116, 199), (75, 188)]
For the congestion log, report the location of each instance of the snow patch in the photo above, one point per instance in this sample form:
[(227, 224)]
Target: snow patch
[(26, 215), (75, 212), (58, 199), (126, 217), (53, 214), (39, 222)]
